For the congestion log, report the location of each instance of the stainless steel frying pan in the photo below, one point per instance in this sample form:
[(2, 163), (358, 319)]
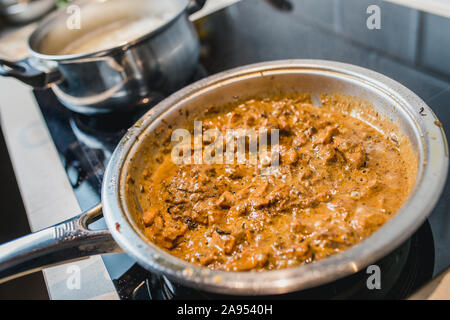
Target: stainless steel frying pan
[(72, 239)]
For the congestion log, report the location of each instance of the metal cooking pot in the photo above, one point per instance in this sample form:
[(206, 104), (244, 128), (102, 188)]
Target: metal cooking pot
[(118, 78), (73, 239)]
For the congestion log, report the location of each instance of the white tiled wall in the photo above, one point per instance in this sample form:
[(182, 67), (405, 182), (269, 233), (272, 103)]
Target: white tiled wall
[(406, 33), (435, 48)]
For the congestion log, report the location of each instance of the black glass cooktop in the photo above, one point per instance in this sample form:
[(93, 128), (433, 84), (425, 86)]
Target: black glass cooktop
[(407, 48)]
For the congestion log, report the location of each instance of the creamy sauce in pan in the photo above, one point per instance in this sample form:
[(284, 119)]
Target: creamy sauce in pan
[(339, 180)]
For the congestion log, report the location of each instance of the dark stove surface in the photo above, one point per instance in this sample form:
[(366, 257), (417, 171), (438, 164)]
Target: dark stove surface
[(253, 31)]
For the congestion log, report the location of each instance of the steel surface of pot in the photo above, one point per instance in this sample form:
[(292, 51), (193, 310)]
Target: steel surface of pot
[(159, 54), (16, 11), (73, 239)]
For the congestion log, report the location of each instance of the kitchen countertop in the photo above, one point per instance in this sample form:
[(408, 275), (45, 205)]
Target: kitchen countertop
[(439, 7)]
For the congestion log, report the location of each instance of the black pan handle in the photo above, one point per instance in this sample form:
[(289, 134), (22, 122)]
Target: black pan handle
[(195, 5), (25, 72), (67, 241)]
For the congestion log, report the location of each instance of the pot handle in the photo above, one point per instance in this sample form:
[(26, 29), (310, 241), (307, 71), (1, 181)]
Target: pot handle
[(195, 5), (25, 72), (67, 241)]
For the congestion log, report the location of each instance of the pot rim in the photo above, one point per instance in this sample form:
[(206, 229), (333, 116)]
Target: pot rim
[(432, 173), (57, 14)]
